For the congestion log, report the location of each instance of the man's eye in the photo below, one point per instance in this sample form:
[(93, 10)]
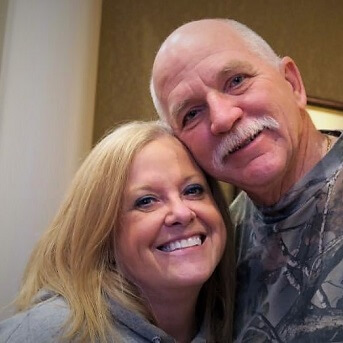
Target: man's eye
[(236, 80), (144, 202), (194, 190), (189, 116)]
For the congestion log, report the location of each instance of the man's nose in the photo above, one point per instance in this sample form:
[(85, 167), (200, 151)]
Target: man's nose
[(224, 112), (179, 213)]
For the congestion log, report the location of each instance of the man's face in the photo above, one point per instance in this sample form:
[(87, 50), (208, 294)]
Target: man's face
[(238, 114)]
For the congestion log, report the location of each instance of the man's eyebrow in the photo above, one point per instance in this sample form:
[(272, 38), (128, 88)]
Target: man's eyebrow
[(236, 65), (178, 107)]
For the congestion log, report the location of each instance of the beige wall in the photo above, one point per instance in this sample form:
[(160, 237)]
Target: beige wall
[(132, 30)]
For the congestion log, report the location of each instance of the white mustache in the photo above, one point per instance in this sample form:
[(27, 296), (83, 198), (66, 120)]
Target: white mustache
[(243, 133)]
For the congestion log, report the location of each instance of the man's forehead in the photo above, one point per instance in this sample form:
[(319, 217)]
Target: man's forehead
[(183, 50), (173, 66)]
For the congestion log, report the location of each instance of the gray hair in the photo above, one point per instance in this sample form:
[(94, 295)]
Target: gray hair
[(254, 42)]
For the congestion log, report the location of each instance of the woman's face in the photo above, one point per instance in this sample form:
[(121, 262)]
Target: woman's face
[(171, 234)]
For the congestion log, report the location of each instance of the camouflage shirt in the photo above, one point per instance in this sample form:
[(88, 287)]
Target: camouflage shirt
[(290, 260)]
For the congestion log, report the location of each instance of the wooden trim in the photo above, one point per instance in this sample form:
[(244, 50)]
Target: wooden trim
[(337, 105)]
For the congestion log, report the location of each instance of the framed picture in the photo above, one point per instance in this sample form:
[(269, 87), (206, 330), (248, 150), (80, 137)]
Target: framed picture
[(326, 114)]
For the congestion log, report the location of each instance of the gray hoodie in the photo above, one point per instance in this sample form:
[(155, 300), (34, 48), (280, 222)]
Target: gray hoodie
[(43, 323)]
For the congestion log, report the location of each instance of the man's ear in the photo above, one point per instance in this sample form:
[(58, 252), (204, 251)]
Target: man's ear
[(291, 73)]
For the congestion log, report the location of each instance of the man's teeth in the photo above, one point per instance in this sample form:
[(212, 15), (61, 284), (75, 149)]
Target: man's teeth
[(245, 142), (181, 244)]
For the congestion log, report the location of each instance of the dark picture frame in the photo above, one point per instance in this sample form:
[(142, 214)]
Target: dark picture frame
[(330, 104)]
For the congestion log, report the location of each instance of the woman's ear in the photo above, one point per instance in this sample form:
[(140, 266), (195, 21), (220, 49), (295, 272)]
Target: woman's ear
[(290, 72)]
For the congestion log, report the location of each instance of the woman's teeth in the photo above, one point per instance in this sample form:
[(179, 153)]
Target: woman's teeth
[(181, 244)]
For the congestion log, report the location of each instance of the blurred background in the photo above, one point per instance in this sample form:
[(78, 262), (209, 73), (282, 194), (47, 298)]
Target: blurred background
[(70, 70)]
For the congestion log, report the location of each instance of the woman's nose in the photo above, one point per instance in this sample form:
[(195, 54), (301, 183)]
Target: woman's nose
[(224, 112), (179, 213)]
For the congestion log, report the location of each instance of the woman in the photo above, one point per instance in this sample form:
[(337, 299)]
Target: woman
[(137, 252)]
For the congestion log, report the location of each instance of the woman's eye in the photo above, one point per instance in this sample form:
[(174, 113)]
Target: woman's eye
[(194, 190), (144, 202)]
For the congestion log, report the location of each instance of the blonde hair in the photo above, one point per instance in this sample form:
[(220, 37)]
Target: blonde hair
[(75, 257)]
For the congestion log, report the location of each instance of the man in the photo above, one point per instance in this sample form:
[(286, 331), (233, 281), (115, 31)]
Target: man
[(241, 111)]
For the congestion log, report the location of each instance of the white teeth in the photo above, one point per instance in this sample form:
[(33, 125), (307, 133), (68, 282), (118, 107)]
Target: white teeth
[(181, 244)]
